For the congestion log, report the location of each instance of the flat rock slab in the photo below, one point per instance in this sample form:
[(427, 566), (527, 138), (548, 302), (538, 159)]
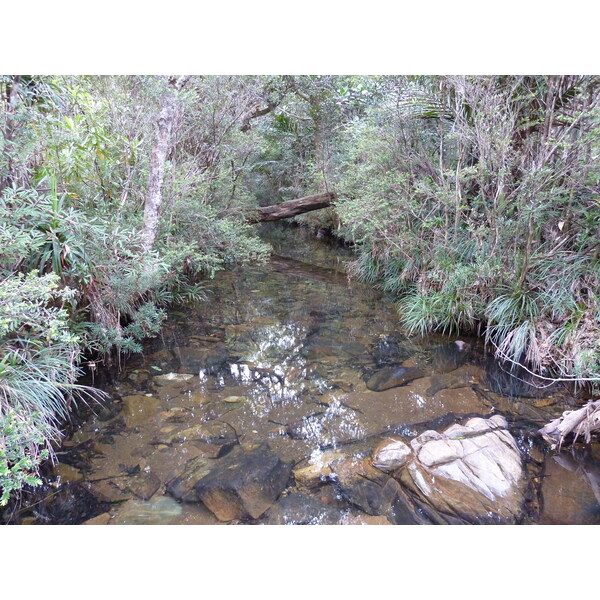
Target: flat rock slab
[(301, 509), (138, 409), (183, 486), (161, 510), (172, 378), (243, 484), (215, 437)]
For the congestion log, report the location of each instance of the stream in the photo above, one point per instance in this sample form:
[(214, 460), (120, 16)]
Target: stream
[(275, 366)]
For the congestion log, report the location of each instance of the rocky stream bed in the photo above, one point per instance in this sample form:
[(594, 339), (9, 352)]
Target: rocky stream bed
[(292, 397)]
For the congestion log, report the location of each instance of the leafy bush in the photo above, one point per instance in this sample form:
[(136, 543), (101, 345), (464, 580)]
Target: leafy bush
[(38, 355), (20, 456)]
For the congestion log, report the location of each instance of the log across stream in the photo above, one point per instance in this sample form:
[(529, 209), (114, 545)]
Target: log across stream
[(271, 374)]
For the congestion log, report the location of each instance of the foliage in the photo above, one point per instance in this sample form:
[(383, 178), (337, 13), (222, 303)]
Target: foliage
[(19, 453), (474, 199), (37, 373)]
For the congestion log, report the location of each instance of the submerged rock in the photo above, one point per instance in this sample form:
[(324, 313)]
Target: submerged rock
[(445, 359), (144, 485), (471, 473), (138, 409), (234, 399), (183, 485), (243, 484), (161, 510), (390, 349), (360, 519), (339, 423), (318, 470), (68, 473), (102, 519), (212, 439), (391, 377), (571, 490), (364, 486), (301, 509), (172, 377)]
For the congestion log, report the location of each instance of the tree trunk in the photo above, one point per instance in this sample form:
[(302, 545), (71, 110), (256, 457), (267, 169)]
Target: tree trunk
[(162, 143), (291, 208), (10, 131)]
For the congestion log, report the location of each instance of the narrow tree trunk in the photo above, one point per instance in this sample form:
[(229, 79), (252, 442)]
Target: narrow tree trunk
[(291, 208), (162, 143), (10, 131)]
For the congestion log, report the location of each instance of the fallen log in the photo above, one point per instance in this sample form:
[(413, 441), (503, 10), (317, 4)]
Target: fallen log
[(291, 208), (583, 421)]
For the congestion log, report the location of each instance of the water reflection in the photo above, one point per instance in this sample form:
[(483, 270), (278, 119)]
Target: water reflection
[(282, 354)]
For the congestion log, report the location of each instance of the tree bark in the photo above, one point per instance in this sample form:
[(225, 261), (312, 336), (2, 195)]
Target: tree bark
[(255, 113), (162, 143), (10, 131), (291, 208)]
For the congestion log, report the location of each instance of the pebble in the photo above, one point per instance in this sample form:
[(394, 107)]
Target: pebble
[(233, 399)]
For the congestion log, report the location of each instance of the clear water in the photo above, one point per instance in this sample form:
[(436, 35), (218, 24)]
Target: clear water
[(281, 354)]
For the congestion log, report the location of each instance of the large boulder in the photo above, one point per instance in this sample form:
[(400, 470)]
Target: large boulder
[(243, 484), (470, 473)]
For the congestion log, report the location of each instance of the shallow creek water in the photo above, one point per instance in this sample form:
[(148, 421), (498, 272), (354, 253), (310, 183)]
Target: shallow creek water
[(280, 354)]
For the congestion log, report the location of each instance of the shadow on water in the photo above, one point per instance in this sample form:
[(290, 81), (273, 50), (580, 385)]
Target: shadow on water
[(293, 355)]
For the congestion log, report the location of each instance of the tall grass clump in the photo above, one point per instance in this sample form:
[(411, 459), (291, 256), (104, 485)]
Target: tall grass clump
[(38, 357)]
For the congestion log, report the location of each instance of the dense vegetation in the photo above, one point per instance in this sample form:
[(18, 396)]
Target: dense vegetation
[(473, 200)]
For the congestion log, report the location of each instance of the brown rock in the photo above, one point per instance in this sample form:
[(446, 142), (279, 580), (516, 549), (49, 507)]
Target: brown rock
[(102, 519), (67, 472), (364, 486), (391, 377), (138, 409), (364, 520), (213, 438), (108, 491), (183, 485), (318, 471), (244, 484), (144, 485)]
